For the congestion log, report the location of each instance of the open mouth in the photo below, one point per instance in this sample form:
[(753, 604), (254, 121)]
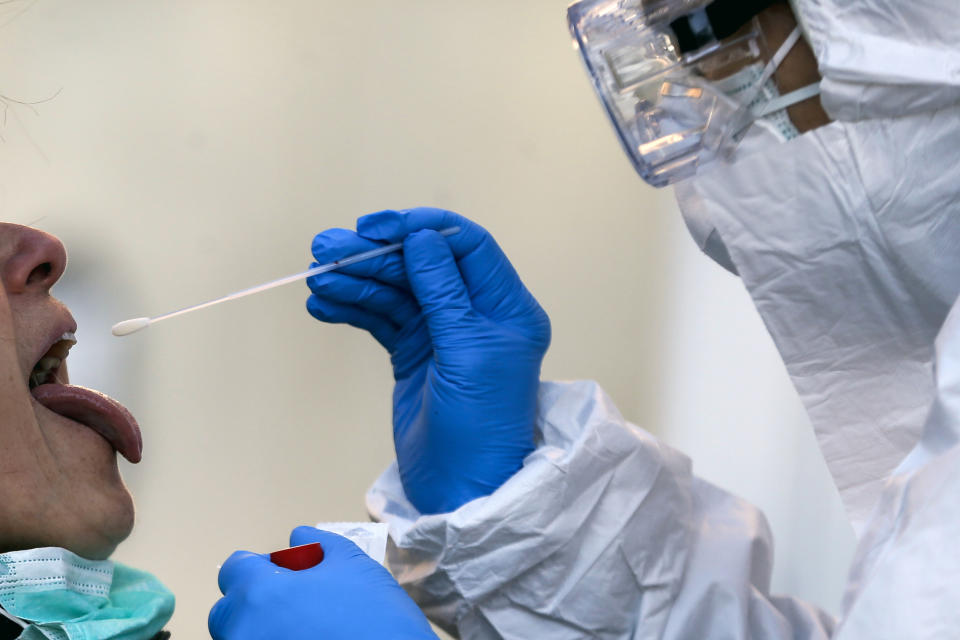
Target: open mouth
[(87, 407), (47, 368)]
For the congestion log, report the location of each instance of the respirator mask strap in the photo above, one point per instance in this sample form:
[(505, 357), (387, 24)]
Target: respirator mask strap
[(747, 114)]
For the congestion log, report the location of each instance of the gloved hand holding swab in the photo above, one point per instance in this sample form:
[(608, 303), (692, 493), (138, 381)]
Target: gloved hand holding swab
[(133, 325)]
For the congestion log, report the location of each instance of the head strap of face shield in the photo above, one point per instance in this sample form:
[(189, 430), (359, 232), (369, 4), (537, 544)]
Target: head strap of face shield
[(718, 20)]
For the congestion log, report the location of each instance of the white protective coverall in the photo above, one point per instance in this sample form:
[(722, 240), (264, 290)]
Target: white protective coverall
[(848, 240)]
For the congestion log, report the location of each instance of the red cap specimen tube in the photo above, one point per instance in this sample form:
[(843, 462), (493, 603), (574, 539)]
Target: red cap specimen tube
[(298, 558)]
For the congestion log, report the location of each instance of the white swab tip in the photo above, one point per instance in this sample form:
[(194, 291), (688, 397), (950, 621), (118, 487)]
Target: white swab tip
[(127, 327)]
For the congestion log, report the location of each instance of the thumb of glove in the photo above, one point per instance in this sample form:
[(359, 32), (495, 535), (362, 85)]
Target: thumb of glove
[(333, 545), (435, 280)]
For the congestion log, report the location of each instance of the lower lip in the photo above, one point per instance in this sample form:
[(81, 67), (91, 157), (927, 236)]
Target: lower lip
[(96, 411)]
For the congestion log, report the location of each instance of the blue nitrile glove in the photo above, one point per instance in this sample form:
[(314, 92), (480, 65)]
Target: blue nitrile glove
[(466, 340), (349, 595)]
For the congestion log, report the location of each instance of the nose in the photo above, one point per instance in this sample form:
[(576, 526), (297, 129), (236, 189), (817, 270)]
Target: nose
[(37, 262)]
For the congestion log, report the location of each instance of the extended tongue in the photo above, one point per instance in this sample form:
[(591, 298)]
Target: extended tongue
[(96, 410)]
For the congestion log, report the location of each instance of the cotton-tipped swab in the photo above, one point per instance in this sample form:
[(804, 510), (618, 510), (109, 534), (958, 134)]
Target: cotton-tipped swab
[(133, 325)]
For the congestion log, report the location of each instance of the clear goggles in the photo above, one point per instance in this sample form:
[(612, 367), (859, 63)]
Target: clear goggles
[(662, 70)]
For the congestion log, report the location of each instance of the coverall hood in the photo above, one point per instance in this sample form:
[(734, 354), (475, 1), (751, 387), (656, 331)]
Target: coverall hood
[(848, 237)]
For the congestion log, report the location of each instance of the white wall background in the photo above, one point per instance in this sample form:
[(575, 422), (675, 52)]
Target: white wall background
[(194, 148)]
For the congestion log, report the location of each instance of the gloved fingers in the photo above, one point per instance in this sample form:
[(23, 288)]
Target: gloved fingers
[(305, 535), (394, 226), (240, 566), (436, 281), (217, 621), (336, 548), (382, 329), (495, 289), (372, 295), (332, 543), (335, 244)]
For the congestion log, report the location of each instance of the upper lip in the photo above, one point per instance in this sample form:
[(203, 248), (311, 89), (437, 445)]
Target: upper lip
[(65, 325)]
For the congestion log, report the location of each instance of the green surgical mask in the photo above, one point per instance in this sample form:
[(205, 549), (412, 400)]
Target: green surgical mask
[(57, 595)]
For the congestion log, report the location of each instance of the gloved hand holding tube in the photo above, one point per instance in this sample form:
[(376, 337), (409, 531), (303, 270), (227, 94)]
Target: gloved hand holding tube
[(466, 340), (349, 595)]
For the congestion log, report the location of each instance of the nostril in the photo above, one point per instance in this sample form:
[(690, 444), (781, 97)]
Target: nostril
[(40, 272), (37, 263)]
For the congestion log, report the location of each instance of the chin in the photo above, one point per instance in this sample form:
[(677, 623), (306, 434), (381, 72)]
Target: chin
[(116, 529), (90, 521), (98, 540)]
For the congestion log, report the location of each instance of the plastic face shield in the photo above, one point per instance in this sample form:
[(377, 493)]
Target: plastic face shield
[(653, 64)]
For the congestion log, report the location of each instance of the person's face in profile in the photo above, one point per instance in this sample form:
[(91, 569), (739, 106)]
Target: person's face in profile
[(59, 481)]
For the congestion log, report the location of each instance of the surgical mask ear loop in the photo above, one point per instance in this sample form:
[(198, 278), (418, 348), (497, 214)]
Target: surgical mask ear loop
[(744, 116)]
